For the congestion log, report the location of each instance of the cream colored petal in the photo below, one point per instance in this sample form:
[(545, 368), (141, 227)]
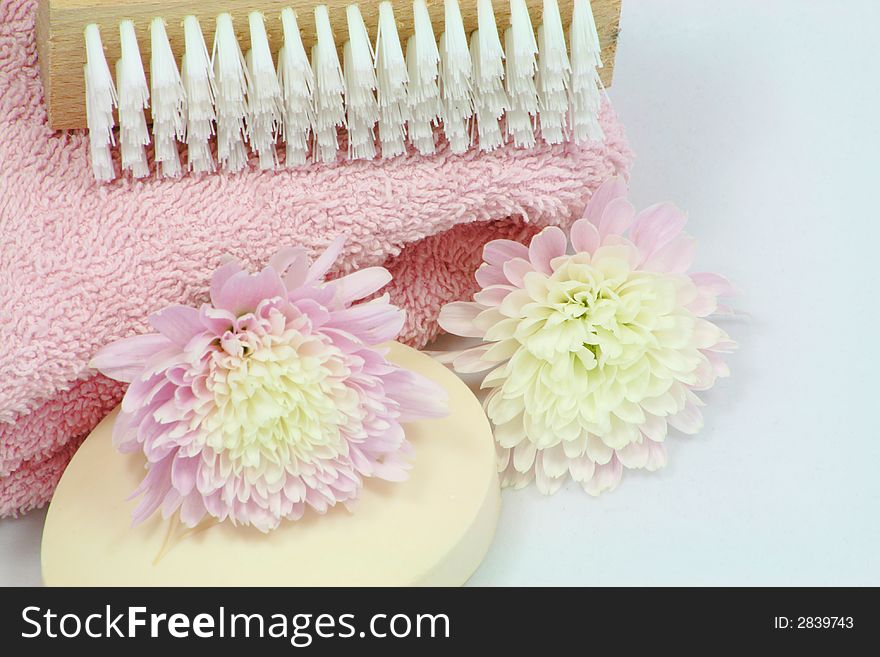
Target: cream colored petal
[(605, 478), (634, 455), (598, 451), (524, 456), (581, 469), (554, 461), (510, 434), (656, 455)]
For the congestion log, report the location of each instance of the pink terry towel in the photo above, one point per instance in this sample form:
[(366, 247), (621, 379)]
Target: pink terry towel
[(82, 264)]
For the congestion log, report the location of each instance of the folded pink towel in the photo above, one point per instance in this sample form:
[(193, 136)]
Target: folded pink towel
[(82, 264)]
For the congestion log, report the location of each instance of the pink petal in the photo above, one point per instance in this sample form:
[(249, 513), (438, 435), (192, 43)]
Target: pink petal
[(471, 360), (177, 323), (675, 257), (192, 510), (689, 420), (656, 226), (616, 218), (183, 473), (584, 236), (371, 322), (714, 283), (608, 191), (125, 359), (488, 275), (548, 244), (154, 487), (360, 284), (654, 427), (704, 304), (243, 291), (418, 396), (292, 263), (217, 321), (497, 252), (458, 318), (718, 364), (605, 477), (516, 269), (220, 276), (634, 455), (656, 456), (326, 260), (493, 295)]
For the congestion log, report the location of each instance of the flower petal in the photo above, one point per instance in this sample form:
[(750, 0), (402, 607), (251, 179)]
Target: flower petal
[(605, 478), (178, 323), (360, 284), (471, 360), (497, 252), (125, 359), (493, 295), (458, 318), (550, 243), (675, 257), (689, 420), (219, 278), (418, 396), (243, 291), (634, 455), (326, 260), (487, 275), (656, 226), (372, 322), (516, 269), (714, 283), (292, 263), (656, 456), (616, 218), (584, 236), (608, 191)]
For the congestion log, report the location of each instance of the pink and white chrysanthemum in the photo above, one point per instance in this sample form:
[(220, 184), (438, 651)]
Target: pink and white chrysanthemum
[(596, 342), (271, 398)]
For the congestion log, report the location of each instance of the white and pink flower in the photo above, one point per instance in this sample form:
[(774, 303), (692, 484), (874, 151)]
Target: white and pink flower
[(596, 343), (271, 398)]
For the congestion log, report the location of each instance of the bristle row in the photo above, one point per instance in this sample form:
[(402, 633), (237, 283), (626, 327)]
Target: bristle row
[(483, 91)]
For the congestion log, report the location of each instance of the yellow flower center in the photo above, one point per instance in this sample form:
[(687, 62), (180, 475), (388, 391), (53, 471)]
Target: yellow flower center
[(276, 400), (598, 339)]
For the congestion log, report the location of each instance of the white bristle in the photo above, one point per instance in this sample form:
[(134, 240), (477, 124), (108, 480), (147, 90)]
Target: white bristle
[(483, 90), (169, 101), (133, 95), (329, 88), (231, 78), (455, 80), (554, 73), (490, 99), (360, 88), (296, 81), (391, 83), (521, 50), (423, 67), (492, 53), (198, 84), (487, 59), (264, 95), (100, 101), (585, 84)]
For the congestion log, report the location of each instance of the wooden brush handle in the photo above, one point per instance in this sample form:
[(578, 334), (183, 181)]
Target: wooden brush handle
[(61, 46)]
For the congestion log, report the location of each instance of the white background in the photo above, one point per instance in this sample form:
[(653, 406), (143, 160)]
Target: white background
[(760, 118)]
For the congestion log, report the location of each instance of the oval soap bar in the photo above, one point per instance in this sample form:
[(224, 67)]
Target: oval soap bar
[(433, 529)]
